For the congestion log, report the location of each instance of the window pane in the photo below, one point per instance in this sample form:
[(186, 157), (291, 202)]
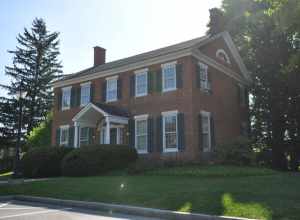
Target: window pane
[(169, 77), (171, 140), (205, 141), (141, 127), (170, 124), (142, 142), (85, 95), (205, 127), (66, 98), (111, 89), (141, 83)]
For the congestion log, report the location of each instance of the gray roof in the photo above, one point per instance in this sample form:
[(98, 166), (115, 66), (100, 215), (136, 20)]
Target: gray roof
[(136, 58)]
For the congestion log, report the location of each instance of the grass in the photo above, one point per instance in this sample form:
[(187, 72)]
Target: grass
[(245, 193)]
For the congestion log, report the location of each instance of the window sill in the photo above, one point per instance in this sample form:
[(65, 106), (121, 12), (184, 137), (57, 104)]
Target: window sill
[(169, 90), (142, 152), (141, 95), (66, 108), (172, 150), (113, 100)]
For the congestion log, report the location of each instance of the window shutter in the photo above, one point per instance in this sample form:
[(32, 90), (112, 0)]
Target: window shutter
[(180, 124), (209, 79), (71, 137), (150, 134), (91, 92), (78, 97), (59, 100), (159, 134), (104, 84), (150, 82), (212, 132), (179, 73), (197, 75), (200, 132), (57, 136), (132, 85), (119, 88), (159, 80), (73, 97), (131, 128)]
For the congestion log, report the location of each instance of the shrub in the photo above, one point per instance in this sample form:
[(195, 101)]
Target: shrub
[(40, 136), (97, 159), (142, 165), (6, 164), (236, 152), (43, 161)]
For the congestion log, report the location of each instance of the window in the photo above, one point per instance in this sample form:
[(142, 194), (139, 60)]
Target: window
[(203, 76), (141, 83), (222, 55), (170, 136), (141, 133), (85, 94), (84, 136), (64, 135), (169, 76), (66, 98), (206, 136), (111, 89)]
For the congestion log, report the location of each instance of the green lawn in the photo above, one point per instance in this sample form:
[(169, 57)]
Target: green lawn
[(243, 192)]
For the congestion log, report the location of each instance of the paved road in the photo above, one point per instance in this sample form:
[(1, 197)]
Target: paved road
[(15, 210)]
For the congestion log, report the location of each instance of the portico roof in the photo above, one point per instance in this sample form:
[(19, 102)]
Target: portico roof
[(91, 110)]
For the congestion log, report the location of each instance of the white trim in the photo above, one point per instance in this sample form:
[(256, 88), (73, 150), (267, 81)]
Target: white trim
[(85, 83), (141, 71), (219, 51), (165, 114), (66, 88), (86, 108), (173, 63), (145, 116), (169, 112), (112, 77), (168, 65), (136, 119), (63, 127), (208, 115), (135, 82)]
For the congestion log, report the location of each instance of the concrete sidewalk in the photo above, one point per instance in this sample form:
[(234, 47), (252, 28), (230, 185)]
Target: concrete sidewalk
[(122, 209)]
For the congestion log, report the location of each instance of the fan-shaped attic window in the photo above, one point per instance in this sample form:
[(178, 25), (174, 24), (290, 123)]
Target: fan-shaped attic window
[(222, 55)]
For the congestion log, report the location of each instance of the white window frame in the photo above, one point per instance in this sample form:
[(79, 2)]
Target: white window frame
[(107, 82), (88, 135), (137, 74), (66, 142), (204, 84), (163, 67), (221, 51), (164, 115), (136, 119), (84, 86), (64, 90), (208, 115)]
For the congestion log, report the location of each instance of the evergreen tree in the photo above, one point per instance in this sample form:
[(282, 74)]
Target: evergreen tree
[(35, 65)]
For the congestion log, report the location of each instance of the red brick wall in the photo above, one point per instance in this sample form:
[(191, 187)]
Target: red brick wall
[(223, 103)]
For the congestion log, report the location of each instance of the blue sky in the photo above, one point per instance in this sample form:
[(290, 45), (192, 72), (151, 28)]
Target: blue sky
[(123, 27)]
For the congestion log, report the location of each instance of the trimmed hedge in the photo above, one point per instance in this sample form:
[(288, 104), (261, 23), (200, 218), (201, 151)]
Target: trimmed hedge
[(43, 161), (236, 152), (97, 159)]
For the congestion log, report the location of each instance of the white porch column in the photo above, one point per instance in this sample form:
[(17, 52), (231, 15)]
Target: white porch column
[(107, 133), (76, 133)]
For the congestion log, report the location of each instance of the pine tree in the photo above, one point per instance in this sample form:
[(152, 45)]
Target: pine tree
[(35, 65)]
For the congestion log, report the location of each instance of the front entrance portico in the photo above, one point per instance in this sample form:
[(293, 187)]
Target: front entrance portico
[(102, 118)]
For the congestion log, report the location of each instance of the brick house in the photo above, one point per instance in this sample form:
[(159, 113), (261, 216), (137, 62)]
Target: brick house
[(176, 102)]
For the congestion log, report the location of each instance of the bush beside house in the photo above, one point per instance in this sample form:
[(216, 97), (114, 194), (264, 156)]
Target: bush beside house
[(43, 161), (236, 152), (97, 159)]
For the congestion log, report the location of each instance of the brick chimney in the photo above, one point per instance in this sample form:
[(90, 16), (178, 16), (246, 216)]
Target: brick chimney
[(99, 55)]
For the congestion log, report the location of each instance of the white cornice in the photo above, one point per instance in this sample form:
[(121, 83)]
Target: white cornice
[(125, 68)]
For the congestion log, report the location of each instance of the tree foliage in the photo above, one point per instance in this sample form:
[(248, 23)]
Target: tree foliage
[(267, 34), (34, 66)]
